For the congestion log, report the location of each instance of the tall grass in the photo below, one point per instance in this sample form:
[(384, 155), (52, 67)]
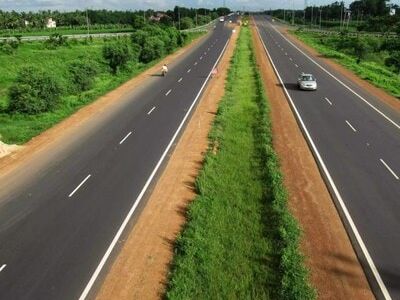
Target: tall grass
[(372, 68), (240, 241), (19, 128)]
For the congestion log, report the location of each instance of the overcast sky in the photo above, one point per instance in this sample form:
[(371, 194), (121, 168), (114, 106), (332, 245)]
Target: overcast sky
[(26, 5)]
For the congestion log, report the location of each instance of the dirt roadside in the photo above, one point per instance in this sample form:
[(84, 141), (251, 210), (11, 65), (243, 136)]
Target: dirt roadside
[(335, 269), (141, 268), (15, 156)]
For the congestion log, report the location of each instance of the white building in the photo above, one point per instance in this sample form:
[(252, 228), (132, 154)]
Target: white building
[(51, 23), (392, 12)]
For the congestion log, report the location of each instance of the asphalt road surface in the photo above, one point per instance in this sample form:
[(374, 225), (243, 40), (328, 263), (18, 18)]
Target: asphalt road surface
[(356, 139), (58, 229)]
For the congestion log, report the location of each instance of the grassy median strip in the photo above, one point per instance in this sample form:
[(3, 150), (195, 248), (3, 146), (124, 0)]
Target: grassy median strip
[(240, 241)]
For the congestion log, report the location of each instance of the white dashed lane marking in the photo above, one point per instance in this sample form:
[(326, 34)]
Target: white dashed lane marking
[(329, 101), (78, 187), (389, 168), (351, 126), (123, 140)]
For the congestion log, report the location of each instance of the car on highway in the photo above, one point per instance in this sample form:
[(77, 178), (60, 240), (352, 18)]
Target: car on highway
[(222, 19), (307, 82)]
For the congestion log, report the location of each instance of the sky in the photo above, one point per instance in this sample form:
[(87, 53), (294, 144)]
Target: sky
[(68, 5)]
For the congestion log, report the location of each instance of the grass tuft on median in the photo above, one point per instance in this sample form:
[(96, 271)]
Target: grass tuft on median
[(240, 240)]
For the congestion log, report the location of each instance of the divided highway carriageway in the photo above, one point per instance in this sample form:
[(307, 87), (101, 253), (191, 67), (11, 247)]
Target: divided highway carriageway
[(356, 141), (59, 228)]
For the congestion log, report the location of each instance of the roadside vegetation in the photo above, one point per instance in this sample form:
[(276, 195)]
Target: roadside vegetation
[(376, 59), (240, 240), (16, 24), (41, 83)]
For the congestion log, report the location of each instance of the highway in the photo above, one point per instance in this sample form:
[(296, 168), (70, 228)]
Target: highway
[(355, 139), (59, 228)]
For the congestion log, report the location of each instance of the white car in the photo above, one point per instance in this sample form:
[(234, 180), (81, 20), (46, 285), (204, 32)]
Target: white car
[(307, 82), (222, 19)]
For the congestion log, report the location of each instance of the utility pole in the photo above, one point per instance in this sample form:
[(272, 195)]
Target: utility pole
[(320, 14), (179, 18), (312, 15), (196, 18), (87, 22), (292, 12), (341, 15), (284, 16), (144, 16)]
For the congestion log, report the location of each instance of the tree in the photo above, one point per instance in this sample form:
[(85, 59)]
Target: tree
[(361, 48), (186, 23), (83, 72), (153, 48), (117, 54), (139, 37), (34, 91), (394, 61)]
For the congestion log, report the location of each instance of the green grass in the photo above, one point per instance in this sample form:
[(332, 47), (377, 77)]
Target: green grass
[(18, 128), (64, 31), (372, 68), (235, 244)]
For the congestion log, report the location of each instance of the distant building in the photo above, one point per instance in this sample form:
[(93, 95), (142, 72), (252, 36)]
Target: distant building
[(51, 23), (27, 23), (157, 17), (392, 11)]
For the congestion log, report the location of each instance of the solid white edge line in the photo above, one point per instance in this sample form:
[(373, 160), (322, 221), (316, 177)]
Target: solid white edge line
[(78, 187), (390, 169), (331, 182), (180, 79), (167, 93), (351, 126), (189, 70), (327, 100), (140, 196), (151, 110), (123, 140), (201, 57), (338, 80), (3, 267)]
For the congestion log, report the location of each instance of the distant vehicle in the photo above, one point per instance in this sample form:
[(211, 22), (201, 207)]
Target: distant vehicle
[(222, 19), (307, 82)]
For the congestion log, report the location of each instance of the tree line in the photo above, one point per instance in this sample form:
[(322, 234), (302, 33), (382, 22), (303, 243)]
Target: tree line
[(177, 16), (363, 15)]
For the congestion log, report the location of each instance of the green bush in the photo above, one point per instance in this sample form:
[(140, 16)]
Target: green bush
[(139, 37), (153, 48), (83, 72), (56, 40), (117, 54), (186, 23), (394, 61), (34, 91), (6, 48)]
